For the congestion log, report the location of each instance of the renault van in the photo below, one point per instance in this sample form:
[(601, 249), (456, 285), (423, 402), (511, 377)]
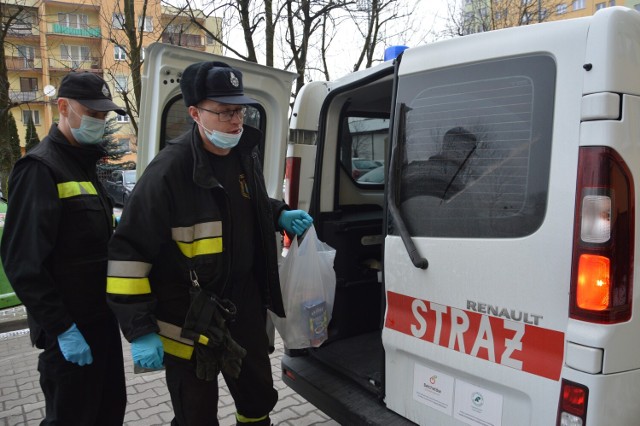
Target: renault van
[(488, 278)]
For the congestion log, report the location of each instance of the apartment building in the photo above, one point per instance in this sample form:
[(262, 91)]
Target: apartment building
[(53, 37), (486, 15)]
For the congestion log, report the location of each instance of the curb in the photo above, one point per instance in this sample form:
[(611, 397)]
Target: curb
[(13, 319)]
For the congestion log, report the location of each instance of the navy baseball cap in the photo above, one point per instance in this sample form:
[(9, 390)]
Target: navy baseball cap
[(89, 90)]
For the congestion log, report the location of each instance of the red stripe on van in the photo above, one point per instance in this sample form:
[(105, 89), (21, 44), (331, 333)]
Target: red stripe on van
[(514, 344)]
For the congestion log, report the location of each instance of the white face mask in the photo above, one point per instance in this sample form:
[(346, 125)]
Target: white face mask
[(222, 140), (91, 130)]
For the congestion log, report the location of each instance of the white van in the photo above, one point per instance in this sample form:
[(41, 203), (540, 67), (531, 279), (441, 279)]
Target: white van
[(488, 279)]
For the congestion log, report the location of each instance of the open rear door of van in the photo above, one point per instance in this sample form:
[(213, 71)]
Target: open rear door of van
[(163, 114), (475, 324)]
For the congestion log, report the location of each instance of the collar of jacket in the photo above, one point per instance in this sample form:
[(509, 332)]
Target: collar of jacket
[(87, 155), (202, 174)]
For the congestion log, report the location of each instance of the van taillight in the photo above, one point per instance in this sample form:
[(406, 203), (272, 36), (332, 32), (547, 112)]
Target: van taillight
[(572, 409), (601, 275)]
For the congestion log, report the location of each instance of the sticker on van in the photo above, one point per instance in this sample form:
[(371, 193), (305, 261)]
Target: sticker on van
[(518, 345)]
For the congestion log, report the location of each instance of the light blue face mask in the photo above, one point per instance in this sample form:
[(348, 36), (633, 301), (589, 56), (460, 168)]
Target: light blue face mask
[(222, 140), (91, 130)]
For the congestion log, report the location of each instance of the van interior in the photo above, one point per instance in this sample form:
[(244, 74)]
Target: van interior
[(348, 215)]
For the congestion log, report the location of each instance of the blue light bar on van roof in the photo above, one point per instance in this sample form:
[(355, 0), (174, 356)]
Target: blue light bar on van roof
[(392, 52)]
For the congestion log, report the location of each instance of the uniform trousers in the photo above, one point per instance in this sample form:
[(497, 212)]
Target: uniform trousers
[(195, 401), (90, 395)]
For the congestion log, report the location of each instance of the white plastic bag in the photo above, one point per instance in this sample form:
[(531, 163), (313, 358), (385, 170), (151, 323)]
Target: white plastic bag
[(308, 284)]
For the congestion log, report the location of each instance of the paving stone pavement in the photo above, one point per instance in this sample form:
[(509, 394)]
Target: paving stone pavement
[(22, 402)]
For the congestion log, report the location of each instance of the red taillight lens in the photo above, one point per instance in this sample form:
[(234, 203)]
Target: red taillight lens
[(574, 398), (572, 408), (601, 282)]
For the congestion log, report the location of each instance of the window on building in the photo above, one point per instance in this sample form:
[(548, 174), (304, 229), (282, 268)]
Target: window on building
[(561, 9), (147, 25), (210, 39), (119, 53), (122, 118), (27, 53), (118, 21), (122, 83), (35, 116), (637, 7), (600, 5), (28, 84), (526, 18), (73, 20), (76, 55), (544, 14), (578, 4), (612, 2)]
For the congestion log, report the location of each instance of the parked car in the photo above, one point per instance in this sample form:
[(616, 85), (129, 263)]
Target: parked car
[(119, 186), (360, 166)]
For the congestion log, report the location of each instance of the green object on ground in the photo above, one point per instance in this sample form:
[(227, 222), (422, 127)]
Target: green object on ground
[(8, 298)]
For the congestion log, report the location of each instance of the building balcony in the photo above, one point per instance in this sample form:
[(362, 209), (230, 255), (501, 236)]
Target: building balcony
[(22, 31), (93, 63), (77, 32), (18, 97), (20, 63)]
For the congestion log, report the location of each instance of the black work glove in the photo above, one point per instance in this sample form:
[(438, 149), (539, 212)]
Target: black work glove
[(214, 347), (206, 363), (229, 352)]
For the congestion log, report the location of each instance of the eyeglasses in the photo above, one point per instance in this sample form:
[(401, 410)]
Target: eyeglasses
[(227, 115)]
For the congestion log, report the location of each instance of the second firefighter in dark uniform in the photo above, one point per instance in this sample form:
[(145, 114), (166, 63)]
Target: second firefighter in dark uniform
[(193, 263)]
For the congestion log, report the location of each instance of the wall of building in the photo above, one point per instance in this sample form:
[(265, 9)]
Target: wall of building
[(76, 35)]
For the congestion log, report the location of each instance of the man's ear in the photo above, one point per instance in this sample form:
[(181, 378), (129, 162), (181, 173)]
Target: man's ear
[(63, 106), (194, 113)]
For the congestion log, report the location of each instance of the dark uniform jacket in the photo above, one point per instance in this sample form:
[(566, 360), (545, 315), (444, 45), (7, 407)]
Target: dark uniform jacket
[(57, 228), (176, 227)]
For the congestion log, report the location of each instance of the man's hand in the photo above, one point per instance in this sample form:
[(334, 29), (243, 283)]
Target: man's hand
[(74, 348), (147, 351), (295, 221)]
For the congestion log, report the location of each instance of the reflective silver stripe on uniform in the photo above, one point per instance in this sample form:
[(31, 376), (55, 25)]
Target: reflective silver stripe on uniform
[(128, 268), (189, 234), (173, 332)]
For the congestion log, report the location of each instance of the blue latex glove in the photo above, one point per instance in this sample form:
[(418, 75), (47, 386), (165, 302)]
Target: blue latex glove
[(147, 351), (295, 221), (73, 346)]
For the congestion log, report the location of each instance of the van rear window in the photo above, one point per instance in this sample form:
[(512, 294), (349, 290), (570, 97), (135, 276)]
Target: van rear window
[(476, 147)]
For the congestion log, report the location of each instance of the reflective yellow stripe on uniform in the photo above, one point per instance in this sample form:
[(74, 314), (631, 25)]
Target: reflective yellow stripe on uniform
[(176, 349), (242, 419), (200, 239), (173, 343), (72, 189), (128, 277)]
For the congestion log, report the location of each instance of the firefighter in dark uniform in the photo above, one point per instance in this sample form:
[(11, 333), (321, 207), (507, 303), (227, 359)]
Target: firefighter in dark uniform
[(193, 262), (54, 249)]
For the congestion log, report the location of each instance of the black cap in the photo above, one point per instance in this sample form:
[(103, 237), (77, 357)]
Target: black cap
[(89, 90), (213, 80)]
